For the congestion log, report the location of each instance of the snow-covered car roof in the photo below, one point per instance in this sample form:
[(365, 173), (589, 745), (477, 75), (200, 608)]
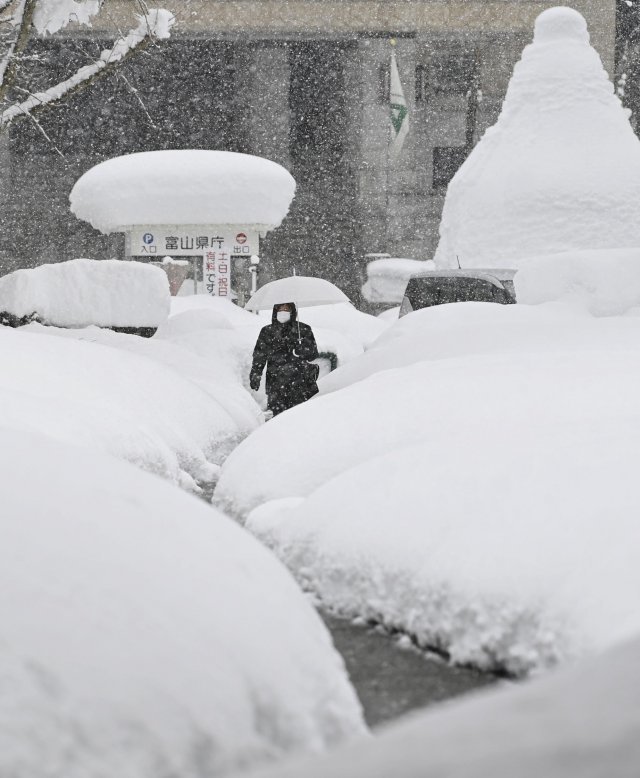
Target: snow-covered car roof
[(493, 276)]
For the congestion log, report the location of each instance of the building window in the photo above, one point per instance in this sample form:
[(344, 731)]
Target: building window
[(453, 74), (384, 83), (422, 83), (446, 161)]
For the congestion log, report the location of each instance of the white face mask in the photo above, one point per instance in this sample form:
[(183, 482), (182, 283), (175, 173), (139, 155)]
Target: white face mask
[(283, 316)]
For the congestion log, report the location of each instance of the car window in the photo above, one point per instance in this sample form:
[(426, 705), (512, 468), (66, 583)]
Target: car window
[(424, 292)]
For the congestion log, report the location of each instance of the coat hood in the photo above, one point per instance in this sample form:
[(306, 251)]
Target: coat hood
[(294, 313)]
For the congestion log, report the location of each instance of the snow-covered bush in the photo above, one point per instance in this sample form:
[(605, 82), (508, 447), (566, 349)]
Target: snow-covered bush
[(80, 292), (145, 634), (481, 500), (465, 329), (150, 404)]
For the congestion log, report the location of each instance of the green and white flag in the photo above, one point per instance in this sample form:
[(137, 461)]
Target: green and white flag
[(399, 110)]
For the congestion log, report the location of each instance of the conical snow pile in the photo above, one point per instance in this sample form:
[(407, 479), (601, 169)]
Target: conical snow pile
[(559, 170)]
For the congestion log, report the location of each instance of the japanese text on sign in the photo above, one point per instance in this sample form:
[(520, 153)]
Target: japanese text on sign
[(217, 272)]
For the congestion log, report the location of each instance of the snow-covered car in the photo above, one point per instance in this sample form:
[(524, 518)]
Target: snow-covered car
[(437, 287)]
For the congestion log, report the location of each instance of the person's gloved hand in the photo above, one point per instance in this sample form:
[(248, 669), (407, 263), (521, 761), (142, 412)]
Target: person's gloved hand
[(254, 382)]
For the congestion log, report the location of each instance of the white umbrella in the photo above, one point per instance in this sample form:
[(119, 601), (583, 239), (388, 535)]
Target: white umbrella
[(304, 291)]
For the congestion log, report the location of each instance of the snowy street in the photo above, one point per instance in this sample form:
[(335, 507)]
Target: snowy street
[(392, 677), (320, 425)]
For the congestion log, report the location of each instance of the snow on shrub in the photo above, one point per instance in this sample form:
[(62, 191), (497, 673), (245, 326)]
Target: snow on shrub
[(80, 292), (483, 504), (300, 450), (215, 376), (134, 407), (559, 170), (465, 329), (145, 634)]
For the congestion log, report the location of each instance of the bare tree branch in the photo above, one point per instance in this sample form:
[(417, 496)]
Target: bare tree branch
[(9, 66), (152, 27)]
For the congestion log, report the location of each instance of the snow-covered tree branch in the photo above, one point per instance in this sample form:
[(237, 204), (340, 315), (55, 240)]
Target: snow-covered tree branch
[(41, 17)]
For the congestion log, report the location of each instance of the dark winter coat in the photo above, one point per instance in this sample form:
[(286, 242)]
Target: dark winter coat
[(285, 349)]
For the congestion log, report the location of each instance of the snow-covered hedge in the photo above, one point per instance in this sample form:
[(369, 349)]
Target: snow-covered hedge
[(483, 503), (149, 403), (80, 292), (467, 329), (145, 634)]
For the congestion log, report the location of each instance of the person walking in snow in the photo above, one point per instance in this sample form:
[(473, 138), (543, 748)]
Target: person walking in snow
[(286, 347)]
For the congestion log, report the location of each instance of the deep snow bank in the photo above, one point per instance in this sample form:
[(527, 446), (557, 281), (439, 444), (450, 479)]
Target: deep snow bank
[(143, 633), (559, 170)]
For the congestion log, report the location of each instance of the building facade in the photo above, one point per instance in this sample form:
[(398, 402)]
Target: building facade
[(302, 82)]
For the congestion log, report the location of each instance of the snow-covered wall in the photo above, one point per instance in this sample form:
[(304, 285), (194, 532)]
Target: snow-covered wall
[(559, 170)]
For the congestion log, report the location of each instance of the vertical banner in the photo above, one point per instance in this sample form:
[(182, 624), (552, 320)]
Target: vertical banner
[(216, 271)]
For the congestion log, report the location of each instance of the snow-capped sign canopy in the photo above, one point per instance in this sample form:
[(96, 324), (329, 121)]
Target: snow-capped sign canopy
[(560, 169), (187, 187)]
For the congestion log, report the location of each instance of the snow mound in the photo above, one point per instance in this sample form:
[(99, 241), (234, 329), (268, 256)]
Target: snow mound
[(343, 318), (81, 292), (467, 329), (560, 169), (578, 723), (560, 24), (129, 623), (606, 282), (375, 412), (183, 187), (387, 278), (128, 396), (194, 320), (491, 513)]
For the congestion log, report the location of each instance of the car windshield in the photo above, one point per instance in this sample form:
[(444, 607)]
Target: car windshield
[(424, 292)]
